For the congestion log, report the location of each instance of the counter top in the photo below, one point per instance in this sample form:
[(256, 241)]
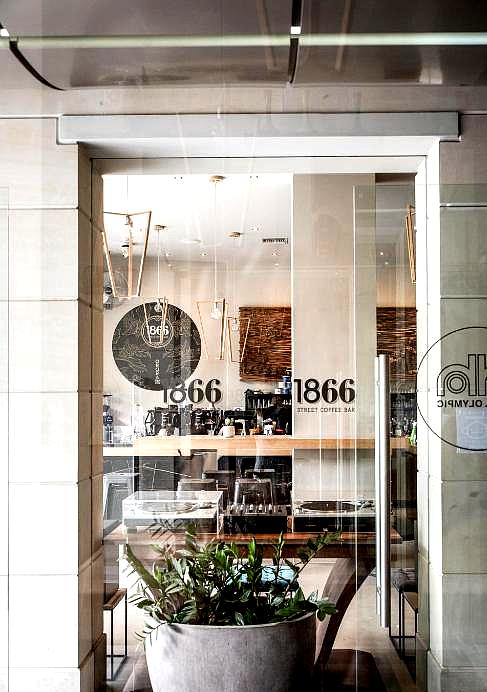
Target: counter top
[(348, 544), (251, 445)]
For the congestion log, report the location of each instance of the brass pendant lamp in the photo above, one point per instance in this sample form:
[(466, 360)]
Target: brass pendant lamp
[(212, 313), (161, 305), (237, 327), (411, 240), (134, 228)]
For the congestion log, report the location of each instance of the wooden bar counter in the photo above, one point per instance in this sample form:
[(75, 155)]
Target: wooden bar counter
[(250, 445), (349, 542)]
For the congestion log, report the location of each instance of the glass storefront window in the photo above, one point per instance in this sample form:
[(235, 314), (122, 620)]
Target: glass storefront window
[(240, 393), (243, 314)]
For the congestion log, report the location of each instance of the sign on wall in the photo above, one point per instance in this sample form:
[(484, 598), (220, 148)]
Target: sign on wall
[(152, 356)]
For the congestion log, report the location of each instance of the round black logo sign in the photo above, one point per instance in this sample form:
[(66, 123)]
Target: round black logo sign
[(154, 353)]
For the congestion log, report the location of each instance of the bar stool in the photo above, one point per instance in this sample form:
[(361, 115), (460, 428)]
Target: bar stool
[(411, 598), (109, 606), (404, 581)]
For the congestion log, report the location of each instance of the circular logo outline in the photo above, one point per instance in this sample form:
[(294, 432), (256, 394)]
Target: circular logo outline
[(451, 444)]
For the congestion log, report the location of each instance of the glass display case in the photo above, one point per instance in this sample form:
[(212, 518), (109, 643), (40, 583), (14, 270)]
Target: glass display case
[(325, 496), (174, 511)]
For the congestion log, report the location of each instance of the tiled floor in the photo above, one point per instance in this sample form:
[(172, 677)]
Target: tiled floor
[(359, 630)]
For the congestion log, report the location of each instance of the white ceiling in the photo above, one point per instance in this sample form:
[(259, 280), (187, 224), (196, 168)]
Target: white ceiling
[(394, 286), (199, 215), (257, 206)]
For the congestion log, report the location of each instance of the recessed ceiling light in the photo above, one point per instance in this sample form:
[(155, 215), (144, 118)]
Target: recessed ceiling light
[(168, 254), (381, 253), (386, 262), (276, 264), (204, 254), (190, 241)]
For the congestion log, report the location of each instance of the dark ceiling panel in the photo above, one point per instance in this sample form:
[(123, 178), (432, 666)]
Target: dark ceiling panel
[(399, 64), (384, 16), (71, 68), (76, 67), (169, 17), (456, 65), (152, 67)]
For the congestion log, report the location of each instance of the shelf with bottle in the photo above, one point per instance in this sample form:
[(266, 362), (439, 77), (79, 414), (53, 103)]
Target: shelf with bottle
[(281, 395), (403, 414)]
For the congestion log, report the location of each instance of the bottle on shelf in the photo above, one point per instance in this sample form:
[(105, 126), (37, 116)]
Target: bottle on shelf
[(107, 420)]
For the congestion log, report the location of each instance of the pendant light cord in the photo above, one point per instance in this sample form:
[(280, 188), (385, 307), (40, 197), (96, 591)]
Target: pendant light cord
[(215, 287), (158, 264)]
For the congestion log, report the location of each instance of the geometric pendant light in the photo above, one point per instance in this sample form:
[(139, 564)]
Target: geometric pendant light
[(125, 239), (237, 327), (213, 312), (161, 305), (237, 331), (212, 317), (155, 333), (411, 241)]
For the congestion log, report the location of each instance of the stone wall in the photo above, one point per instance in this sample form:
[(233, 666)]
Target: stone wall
[(51, 563), (452, 484)]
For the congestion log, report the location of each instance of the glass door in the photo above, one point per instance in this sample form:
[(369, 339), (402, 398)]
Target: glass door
[(335, 344), (243, 314), (385, 263)]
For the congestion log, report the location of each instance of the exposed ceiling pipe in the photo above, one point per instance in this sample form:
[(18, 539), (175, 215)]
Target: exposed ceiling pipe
[(248, 40)]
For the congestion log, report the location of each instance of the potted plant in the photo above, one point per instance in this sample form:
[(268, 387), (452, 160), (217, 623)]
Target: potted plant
[(220, 619)]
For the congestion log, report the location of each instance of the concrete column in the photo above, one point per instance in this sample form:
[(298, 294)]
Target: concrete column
[(452, 486), (51, 571)]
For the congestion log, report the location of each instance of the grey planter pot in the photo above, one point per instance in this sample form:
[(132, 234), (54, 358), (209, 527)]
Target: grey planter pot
[(277, 657)]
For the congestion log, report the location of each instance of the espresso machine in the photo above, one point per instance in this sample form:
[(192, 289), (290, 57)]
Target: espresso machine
[(197, 424), (184, 420), (260, 502), (165, 421), (198, 421)]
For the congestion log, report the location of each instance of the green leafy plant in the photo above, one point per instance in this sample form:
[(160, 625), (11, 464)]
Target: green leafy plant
[(220, 583)]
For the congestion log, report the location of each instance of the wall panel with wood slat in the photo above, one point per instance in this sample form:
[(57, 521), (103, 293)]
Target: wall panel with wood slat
[(396, 337), (267, 351)]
